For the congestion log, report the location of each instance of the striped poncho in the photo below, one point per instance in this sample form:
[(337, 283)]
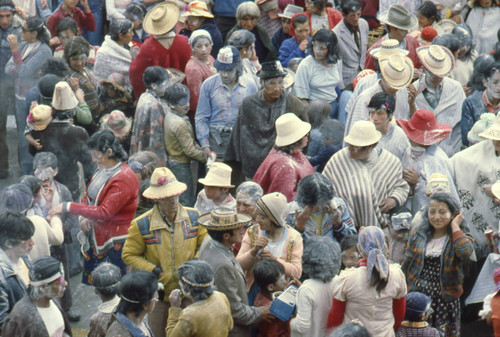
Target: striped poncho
[(365, 184)]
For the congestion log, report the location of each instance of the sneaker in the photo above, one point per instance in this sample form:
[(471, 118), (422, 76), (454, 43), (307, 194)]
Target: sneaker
[(73, 317)]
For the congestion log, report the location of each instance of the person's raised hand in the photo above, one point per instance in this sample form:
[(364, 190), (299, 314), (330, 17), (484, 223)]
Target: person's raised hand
[(260, 243), (387, 204), (175, 298), (12, 40), (302, 217)]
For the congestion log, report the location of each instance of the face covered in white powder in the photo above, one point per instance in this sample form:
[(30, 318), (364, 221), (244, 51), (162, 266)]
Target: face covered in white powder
[(439, 215)]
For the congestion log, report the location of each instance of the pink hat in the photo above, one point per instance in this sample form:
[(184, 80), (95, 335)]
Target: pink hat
[(423, 128)]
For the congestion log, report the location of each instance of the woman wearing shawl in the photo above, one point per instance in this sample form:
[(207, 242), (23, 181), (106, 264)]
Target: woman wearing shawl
[(371, 290), (435, 256)]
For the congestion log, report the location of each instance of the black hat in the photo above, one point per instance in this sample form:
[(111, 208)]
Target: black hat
[(271, 69), (45, 270)]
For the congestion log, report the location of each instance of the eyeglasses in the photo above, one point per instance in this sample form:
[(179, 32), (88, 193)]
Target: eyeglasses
[(76, 58)]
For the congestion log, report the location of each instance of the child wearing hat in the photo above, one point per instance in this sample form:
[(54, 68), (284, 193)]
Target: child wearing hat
[(418, 310), (114, 96), (216, 194), (296, 46), (119, 125)]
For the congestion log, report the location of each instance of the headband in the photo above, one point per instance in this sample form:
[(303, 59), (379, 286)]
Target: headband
[(47, 280), (197, 285)]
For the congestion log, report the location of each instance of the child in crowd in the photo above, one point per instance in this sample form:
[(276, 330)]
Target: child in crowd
[(84, 19), (418, 310), (269, 275), (106, 280), (216, 194), (38, 119), (283, 33), (119, 125), (296, 46), (332, 134), (180, 142), (318, 112), (350, 254), (114, 96)]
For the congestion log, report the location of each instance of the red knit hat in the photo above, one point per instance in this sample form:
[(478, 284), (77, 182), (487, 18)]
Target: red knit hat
[(428, 34)]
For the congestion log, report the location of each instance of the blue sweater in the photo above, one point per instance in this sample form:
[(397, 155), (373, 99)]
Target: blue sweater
[(290, 49), (472, 109)]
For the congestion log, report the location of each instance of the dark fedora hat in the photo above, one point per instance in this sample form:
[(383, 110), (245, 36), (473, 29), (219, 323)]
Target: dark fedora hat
[(271, 69)]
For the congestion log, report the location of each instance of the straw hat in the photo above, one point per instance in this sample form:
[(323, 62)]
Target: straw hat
[(445, 26), (398, 16), (161, 19), (222, 219), (485, 121), (117, 123), (363, 133), (218, 175), (197, 8), (64, 98), (163, 185), (39, 117), (290, 10), (423, 128), (176, 76), (397, 71), (387, 48), (437, 59), (495, 189), (290, 129), (493, 132)]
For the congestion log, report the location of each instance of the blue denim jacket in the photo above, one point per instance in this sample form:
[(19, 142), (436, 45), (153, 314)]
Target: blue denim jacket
[(12, 289)]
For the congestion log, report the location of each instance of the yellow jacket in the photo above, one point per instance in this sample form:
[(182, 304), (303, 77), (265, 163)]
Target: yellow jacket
[(151, 242)]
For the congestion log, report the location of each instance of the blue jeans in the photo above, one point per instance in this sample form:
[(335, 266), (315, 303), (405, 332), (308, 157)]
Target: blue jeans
[(344, 99), (25, 158), (95, 38), (334, 111)]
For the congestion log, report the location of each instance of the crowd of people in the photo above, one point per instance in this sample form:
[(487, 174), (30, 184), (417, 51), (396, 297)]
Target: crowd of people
[(196, 161)]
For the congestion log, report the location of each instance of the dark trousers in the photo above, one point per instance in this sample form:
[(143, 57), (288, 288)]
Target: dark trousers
[(7, 106)]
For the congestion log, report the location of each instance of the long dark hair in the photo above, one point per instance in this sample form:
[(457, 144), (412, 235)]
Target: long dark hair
[(329, 38), (105, 139), (35, 24)]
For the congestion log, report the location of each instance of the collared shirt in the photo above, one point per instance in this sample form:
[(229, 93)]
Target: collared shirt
[(219, 105), (432, 95), (491, 108), (83, 20)]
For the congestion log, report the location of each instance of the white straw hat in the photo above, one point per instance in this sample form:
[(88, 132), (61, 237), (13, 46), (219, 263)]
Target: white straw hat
[(437, 59), (219, 175), (64, 98), (163, 185), (363, 133), (289, 129), (493, 132), (387, 48), (397, 71)]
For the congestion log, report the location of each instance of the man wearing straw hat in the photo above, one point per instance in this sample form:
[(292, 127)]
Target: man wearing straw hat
[(396, 74), (398, 21), (162, 239), (165, 49), (441, 94), (370, 180), (225, 228)]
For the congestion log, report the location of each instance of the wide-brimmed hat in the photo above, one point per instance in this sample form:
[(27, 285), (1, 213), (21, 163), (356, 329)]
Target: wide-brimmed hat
[(289, 79), (290, 129), (218, 175), (176, 76), (116, 122), (39, 117), (116, 80), (363, 133), (423, 128), (398, 16), (397, 71), (290, 10), (222, 219), (387, 48), (271, 69), (161, 19), (445, 26), (227, 58), (493, 132), (275, 207), (485, 121), (64, 98), (163, 185), (197, 8), (437, 59)]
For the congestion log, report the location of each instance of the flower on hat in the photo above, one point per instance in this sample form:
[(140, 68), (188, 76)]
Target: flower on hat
[(161, 181)]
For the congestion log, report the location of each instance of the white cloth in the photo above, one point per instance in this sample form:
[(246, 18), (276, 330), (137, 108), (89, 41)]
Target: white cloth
[(359, 108), (314, 300), (205, 205), (396, 142), (448, 111), (463, 69), (45, 235), (475, 167), (112, 58), (109, 307), (53, 320), (484, 24), (116, 8), (363, 84), (434, 160), (315, 81)]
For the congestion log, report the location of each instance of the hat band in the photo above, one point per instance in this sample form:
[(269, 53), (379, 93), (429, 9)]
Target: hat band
[(7, 8), (163, 183), (267, 211), (433, 58), (197, 285), (46, 281)]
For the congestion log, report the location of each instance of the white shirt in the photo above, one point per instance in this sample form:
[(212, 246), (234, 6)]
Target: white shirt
[(53, 320)]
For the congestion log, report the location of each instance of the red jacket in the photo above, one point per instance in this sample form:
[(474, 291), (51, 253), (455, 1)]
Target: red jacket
[(334, 17), (411, 46), (152, 53), (116, 205), (83, 20), (281, 172)]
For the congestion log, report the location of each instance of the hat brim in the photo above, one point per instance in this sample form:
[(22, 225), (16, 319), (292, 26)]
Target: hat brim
[(402, 82), (198, 13), (224, 66), (289, 79), (300, 131), (383, 18), (206, 182), (375, 52), (115, 85), (425, 137), (493, 134), (166, 25), (349, 139), (39, 126), (495, 189), (117, 132), (448, 67), (243, 220), (165, 191)]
